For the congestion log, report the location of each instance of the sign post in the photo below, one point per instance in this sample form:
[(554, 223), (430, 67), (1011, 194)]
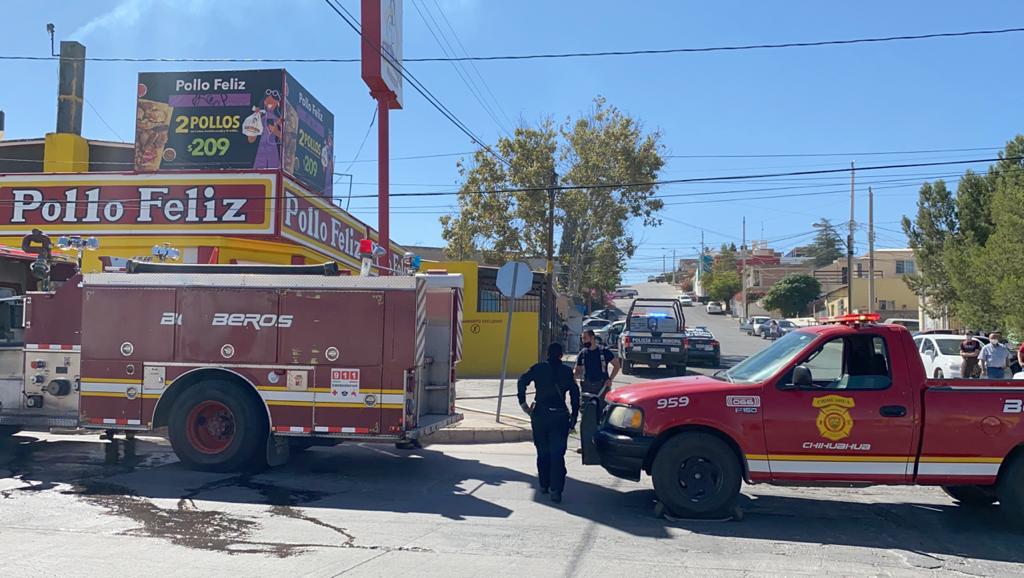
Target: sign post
[(514, 280), (381, 57)]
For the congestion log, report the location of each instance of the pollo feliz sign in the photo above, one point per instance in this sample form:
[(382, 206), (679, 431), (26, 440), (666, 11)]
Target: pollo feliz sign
[(133, 205)]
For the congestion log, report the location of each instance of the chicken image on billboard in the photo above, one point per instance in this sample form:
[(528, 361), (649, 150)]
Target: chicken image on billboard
[(247, 119)]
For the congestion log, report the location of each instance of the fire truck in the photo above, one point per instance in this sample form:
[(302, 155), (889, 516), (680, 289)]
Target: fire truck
[(239, 363), (847, 402)]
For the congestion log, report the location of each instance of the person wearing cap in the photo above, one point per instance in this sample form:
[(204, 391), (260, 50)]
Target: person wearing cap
[(995, 357)]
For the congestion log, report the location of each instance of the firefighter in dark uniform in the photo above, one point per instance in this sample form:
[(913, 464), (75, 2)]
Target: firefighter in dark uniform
[(592, 365), (550, 418)]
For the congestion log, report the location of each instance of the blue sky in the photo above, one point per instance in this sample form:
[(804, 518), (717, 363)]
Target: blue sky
[(923, 95)]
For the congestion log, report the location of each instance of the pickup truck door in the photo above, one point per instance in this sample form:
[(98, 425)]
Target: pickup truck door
[(854, 422)]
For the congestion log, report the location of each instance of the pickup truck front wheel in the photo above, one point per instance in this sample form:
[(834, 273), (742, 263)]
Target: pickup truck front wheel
[(972, 496), (696, 475)]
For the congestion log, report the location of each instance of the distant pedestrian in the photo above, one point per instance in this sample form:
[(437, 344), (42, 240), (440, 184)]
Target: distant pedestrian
[(995, 357), (970, 350), (592, 365), (550, 419)]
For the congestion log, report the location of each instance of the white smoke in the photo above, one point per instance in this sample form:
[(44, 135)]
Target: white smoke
[(124, 15)]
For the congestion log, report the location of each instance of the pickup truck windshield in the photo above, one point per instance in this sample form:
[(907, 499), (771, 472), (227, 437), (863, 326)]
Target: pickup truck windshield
[(766, 363)]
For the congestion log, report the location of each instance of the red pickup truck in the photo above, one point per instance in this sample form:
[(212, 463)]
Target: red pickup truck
[(846, 402)]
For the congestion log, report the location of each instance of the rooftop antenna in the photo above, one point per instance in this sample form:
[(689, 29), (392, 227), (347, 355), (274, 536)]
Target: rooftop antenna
[(51, 29)]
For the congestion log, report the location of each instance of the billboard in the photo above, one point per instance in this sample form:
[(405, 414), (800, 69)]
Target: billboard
[(382, 47), (242, 119), (139, 204)]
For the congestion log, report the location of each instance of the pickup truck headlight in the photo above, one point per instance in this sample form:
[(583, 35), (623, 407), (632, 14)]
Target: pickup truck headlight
[(626, 418)]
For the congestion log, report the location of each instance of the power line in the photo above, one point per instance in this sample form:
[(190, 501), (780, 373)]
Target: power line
[(848, 154), (373, 121), (351, 21), (560, 55), (103, 120)]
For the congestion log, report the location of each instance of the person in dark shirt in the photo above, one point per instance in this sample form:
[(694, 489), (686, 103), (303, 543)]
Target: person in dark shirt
[(970, 349), (550, 418), (592, 365)]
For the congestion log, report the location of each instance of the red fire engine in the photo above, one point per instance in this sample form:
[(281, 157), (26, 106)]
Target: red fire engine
[(238, 362), (846, 402)]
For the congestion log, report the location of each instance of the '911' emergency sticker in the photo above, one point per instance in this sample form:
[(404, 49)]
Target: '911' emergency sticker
[(344, 383)]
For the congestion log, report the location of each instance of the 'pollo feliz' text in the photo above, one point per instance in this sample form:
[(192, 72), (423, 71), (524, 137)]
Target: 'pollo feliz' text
[(199, 205)]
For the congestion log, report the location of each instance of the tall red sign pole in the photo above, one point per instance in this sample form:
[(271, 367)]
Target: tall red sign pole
[(381, 68)]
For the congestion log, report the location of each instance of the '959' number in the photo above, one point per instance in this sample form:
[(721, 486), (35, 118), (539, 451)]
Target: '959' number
[(1013, 406), (671, 402)]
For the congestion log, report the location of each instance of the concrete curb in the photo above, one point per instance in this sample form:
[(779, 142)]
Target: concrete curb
[(476, 431)]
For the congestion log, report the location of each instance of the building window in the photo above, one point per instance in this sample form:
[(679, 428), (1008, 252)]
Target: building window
[(490, 300), (905, 267)]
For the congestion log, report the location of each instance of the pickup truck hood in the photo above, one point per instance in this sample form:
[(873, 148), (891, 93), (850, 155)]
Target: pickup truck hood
[(638, 393)]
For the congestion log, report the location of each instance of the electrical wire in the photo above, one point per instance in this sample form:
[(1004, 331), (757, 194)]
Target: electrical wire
[(561, 55), (351, 21)]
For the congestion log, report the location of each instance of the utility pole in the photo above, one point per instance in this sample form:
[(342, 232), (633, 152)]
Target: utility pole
[(675, 267), (871, 251), (849, 249), (549, 293), (663, 270), (743, 268)]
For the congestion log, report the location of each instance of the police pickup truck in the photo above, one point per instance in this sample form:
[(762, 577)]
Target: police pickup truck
[(655, 336), (847, 402)]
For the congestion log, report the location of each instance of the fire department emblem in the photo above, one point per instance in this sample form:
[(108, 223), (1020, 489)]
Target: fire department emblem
[(834, 421)]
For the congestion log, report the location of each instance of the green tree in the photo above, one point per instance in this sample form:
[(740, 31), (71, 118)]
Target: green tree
[(997, 266), (826, 247), (595, 154), (792, 294), (724, 286), (932, 230)]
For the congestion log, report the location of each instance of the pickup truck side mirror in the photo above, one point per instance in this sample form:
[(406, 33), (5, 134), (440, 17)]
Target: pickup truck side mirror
[(802, 376)]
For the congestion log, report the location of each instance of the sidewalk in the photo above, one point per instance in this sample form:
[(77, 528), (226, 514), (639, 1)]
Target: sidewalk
[(480, 427)]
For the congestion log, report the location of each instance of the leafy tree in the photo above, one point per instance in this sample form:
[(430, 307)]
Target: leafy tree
[(933, 228), (597, 153), (724, 286), (826, 247), (998, 266), (792, 294)]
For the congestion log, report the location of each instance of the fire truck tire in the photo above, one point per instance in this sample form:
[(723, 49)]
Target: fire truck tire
[(1011, 492), (215, 427), (7, 431), (972, 496), (696, 475)]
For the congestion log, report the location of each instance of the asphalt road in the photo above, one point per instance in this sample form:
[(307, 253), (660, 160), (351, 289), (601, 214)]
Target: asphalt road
[(450, 511)]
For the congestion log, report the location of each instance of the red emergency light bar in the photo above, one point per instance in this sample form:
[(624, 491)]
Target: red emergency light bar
[(853, 318)]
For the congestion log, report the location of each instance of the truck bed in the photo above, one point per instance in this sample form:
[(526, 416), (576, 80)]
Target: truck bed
[(964, 418)]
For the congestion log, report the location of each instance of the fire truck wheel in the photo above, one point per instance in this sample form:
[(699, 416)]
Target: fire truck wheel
[(7, 431), (1011, 492), (696, 475), (972, 496), (215, 427)]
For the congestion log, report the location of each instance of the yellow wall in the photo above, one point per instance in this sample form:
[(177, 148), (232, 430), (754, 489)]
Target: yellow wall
[(886, 289), (65, 153), (483, 334)]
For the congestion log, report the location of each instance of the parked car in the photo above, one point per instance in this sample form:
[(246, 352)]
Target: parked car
[(609, 314), (609, 334), (746, 326), (685, 301), (595, 324), (756, 322), (701, 345), (940, 354), (786, 327), (912, 325), (714, 308)]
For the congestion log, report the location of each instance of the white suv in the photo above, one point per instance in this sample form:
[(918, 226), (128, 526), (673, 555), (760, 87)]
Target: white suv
[(714, 307)]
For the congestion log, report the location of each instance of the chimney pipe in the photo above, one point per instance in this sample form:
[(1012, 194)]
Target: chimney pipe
[(1, 125), (72, 87)]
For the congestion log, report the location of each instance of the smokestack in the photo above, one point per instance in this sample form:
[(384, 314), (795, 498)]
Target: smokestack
[(1, 125), (72, 87)]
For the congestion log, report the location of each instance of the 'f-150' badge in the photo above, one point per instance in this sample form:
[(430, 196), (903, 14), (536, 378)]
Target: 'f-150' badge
[(834, 421)]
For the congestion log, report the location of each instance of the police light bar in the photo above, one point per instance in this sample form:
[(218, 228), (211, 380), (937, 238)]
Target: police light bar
[(854, 318)]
